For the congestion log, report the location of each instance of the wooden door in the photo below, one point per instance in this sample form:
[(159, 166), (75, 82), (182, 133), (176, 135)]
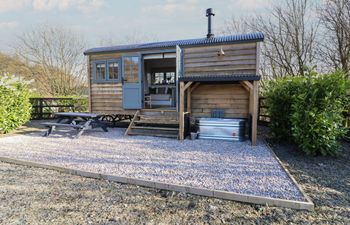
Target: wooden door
[(132, 82)]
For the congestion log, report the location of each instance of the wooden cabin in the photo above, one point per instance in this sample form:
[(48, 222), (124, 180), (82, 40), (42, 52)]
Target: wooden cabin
[(173, 80)]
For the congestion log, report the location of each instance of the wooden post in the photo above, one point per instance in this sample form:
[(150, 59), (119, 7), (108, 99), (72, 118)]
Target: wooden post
[(254, 113), (89, 75), (41, 106), (189, 93), (181, 112)]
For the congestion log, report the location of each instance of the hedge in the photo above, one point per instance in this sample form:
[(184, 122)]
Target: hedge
[(308, 111), (15, 107)]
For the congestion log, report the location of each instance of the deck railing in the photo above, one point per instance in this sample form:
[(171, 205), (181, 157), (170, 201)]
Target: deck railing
[(44, 108)]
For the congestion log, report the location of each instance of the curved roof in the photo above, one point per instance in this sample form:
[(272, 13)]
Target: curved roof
[(252, 37)]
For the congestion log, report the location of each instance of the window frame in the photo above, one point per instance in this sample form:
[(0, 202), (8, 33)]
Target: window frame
[(106, 62), (139, 66)]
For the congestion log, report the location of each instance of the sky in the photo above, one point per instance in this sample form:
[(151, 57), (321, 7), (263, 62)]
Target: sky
[(106, 22)]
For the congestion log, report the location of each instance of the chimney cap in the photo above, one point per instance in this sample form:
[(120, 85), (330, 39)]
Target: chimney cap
[(209, 12)]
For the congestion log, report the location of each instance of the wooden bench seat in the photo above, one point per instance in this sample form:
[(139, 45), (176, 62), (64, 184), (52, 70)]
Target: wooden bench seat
[(77, 121)]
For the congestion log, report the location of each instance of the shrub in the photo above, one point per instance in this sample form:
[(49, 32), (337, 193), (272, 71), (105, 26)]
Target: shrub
[(279, 98), (15, 107), (309, 111)]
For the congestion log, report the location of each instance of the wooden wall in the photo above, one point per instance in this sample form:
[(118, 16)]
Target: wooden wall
[(233, 98), (105, 98), (238, 59)]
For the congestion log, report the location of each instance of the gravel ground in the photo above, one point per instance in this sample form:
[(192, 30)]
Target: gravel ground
[(236, 167), (38, 196)]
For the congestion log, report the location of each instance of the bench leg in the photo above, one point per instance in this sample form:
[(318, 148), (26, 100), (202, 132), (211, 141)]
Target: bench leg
[(104, 128), (81, 131), (49, 131)]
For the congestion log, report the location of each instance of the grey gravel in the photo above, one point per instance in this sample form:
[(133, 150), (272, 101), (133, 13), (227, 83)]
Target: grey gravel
[(236, 167)]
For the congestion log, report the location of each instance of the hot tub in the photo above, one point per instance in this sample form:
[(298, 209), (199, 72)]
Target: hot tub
[(222, 129)]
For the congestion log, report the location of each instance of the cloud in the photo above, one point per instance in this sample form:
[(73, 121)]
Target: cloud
[(250, 4), (11, 5), (8, 25), (172, 7), (62, 5), (48, 5)]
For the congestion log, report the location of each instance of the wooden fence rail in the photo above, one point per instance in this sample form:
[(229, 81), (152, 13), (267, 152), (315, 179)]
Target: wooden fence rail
[(44, 108), (263, 116)]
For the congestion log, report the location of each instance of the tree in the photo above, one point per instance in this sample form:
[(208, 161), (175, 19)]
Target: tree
[(290, 37), (54, 56), (335, 48)]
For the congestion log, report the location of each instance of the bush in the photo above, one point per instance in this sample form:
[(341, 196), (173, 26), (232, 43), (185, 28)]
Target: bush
[(279, 99), (309, 111), (15, 107)]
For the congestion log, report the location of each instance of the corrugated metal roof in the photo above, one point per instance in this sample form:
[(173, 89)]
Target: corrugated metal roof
[(220, 78), (253, 37)]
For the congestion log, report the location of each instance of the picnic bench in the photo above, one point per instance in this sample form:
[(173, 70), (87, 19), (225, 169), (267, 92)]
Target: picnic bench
[(77, 121)]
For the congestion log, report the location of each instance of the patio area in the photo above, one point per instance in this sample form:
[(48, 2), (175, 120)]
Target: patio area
[(216, 165)]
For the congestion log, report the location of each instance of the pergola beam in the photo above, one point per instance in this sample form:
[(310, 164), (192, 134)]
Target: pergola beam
[(187, 85), (195, 86)]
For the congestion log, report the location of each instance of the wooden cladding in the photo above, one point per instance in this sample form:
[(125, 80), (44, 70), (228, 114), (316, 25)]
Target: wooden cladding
[(232, 98), (238, 59), (106, 98)]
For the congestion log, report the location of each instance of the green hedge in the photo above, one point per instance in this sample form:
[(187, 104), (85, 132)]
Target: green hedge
[(15, 107), (309, 111)]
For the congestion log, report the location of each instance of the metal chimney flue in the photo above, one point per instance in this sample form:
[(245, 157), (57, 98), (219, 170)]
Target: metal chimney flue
[(209, 13)]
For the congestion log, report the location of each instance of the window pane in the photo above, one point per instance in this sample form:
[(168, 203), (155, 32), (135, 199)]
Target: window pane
[(170, 78), (100, 71), (131, 69), (113, 72), (158, 78)]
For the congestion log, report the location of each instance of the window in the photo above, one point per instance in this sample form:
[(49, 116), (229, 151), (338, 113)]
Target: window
[(170, 77), (163, 78), (100, 71), (158, 78), (113, 71), (106, 71), (131, 69)]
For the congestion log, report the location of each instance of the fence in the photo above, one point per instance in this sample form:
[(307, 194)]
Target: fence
[(263, 117), (347, 116), (44, 108)]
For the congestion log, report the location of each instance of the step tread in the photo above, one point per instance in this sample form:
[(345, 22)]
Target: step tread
[(156, 128), (154, 135), (148, 117), (172, 122)]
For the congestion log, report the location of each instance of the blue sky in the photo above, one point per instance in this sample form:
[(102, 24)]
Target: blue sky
[(103, 22)]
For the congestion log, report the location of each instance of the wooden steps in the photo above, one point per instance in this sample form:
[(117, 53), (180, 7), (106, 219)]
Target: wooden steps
[(157, 123)]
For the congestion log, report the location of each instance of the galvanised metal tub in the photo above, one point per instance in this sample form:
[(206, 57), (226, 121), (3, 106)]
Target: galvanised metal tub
[(222, 129)]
